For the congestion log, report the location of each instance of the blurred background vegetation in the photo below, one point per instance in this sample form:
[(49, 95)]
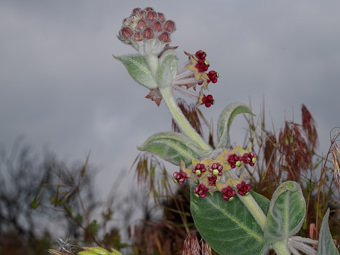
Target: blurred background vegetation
[(46, 203)]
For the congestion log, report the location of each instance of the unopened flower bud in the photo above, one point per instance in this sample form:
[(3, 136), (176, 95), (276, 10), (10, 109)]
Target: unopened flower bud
[(169, 26), (161, 17), (142, 14), (126, 22), (138, 37), (136, 11), (148, 33), (141, 24), (148, 9), (151, 16), (126, 33), (156, 26), (165, 37)]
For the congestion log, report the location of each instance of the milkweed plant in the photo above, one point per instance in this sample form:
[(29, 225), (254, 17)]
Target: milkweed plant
[(229, 216)]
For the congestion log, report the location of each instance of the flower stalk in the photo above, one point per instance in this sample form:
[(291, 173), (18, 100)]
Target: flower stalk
[(180, 119)]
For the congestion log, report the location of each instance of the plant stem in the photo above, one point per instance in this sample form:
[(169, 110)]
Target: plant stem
[(254, 209), (180, 119), (281, 248)]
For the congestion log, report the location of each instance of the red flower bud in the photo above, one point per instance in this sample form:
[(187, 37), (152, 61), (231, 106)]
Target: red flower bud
[(169, 26), (126, 33), (156, 26), (142, 14), (161, 17), (141, 24), (138, 37), (151, 16), (148, 33), (164, 37), (136, 10)]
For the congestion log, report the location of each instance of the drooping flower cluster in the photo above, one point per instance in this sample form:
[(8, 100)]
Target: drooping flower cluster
[(212, 175), (147, 30), (194, 73)]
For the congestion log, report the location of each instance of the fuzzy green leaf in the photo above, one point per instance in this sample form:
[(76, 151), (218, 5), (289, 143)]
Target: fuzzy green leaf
[(139, 69), (286, 212), (326, 244), (167, 68), (225, 120), (228, 227), (172, 147)]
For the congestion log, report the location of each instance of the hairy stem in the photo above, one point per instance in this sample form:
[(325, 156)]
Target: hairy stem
[(254, 209), (281, 248), (180, 119)]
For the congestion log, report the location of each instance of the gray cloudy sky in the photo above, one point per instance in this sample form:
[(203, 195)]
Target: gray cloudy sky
[(61, 88)]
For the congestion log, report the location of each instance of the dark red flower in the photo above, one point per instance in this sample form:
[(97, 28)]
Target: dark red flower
[(233, 160), (199, 169), (201, 190), (228, 193), (243, 188), (216, 169), (208, 100), (249, 158), (212, 180), (180, 177), (213, 75), (202, 65), (201, 55)]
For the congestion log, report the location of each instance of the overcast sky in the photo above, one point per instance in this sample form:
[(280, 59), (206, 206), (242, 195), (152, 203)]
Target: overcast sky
[(61, 88)]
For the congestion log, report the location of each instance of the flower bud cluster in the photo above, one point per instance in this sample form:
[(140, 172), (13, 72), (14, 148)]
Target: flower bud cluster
[(212, 175), (147, 30)]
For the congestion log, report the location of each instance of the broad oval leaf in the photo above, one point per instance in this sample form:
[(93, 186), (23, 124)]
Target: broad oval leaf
[(167, 68), (326, 244), (139, 69), (172, 147), (225, 119), (286, 212), (228, 227)]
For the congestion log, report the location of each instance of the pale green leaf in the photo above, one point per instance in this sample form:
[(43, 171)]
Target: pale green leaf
[(225, 120), (139, 69), (286, 212), (167, 68), (326, 244), (228, 227), (172, 147)]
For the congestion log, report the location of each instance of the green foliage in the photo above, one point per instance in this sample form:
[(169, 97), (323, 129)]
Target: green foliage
[(286, 212), (326, 243), (139, 69), (93, 228), (228, 227), (167, 68), (225, 120), (172, 147), (98, 251)]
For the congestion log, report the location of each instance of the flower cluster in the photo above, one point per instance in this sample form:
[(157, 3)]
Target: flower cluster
[(147, 30), (193, 73), (212, 175), (246, 158)]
